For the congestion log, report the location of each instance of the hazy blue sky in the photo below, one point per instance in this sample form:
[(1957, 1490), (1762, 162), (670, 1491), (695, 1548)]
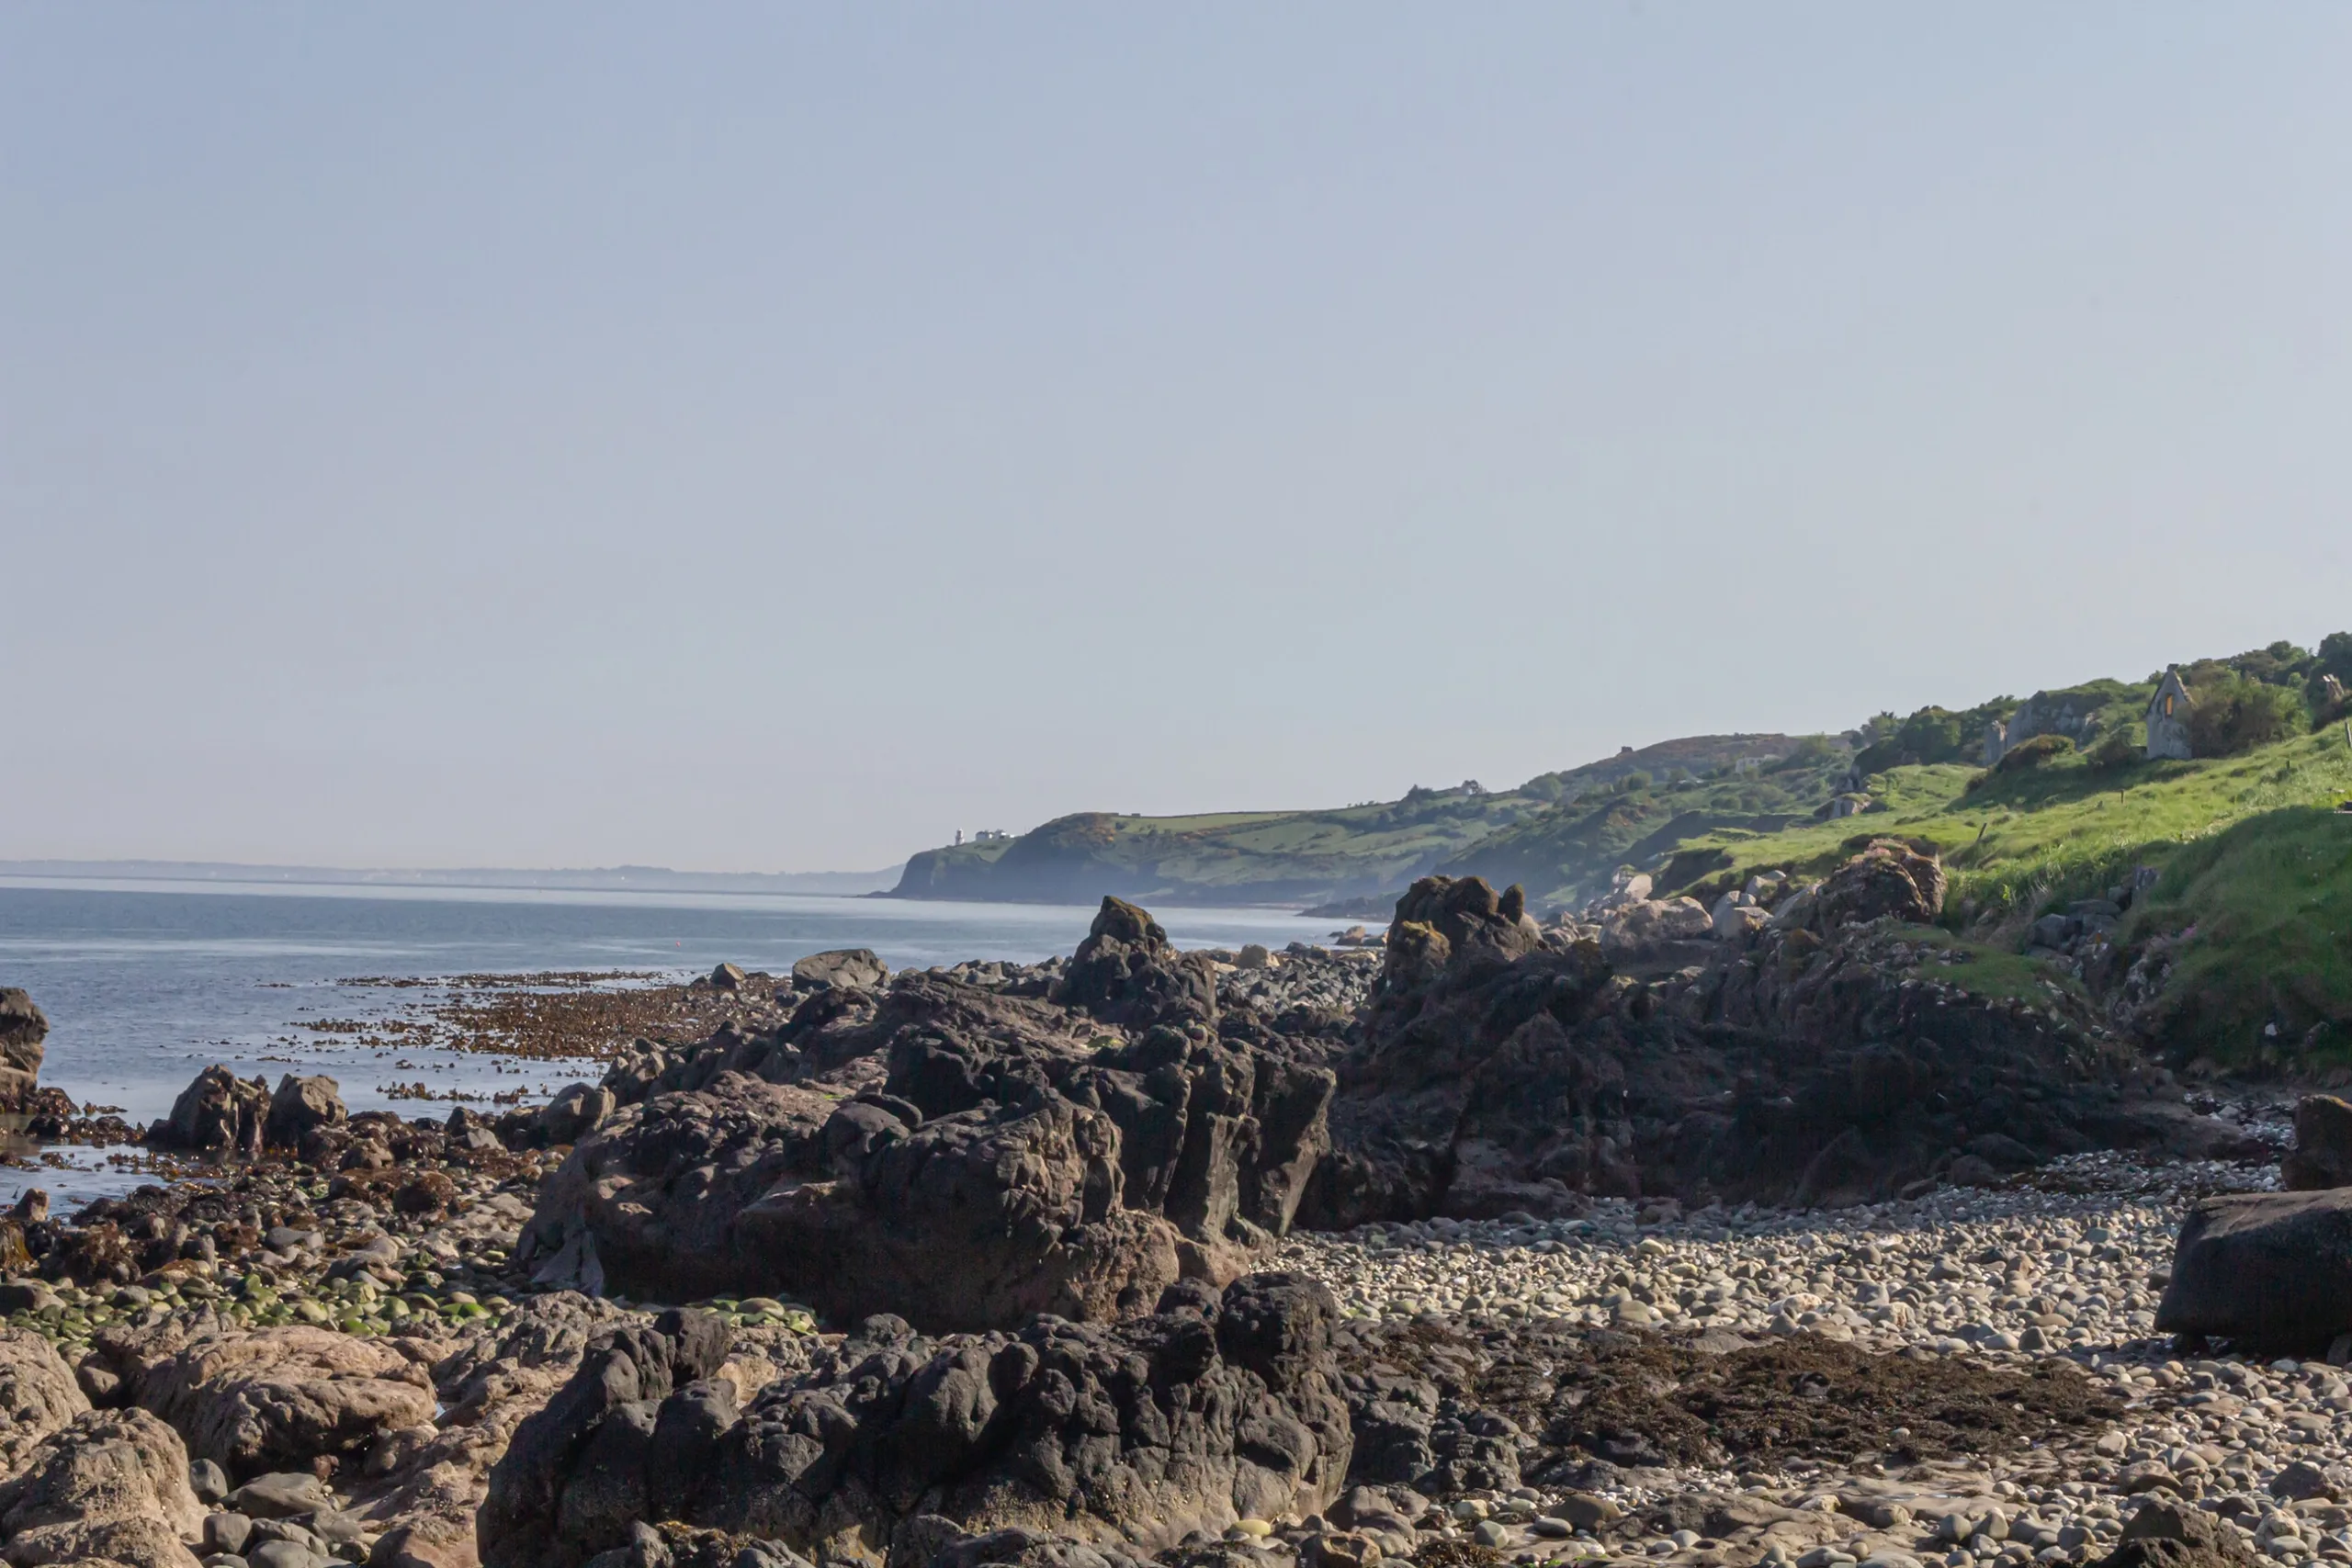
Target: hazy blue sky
[(773, 437)]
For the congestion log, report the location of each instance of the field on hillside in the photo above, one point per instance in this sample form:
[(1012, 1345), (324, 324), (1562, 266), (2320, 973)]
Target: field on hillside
[(2254, 902), (2062, 830), (1599, 814)]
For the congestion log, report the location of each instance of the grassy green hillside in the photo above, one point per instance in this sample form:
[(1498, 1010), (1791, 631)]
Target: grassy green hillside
[(2242, 945), (1375, 849)]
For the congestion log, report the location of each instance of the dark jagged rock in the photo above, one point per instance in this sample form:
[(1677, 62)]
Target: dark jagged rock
[(995, 1156), (1213, 1409), (1127, 972), (573, 1477), (2271, 1268), (843, 968), (976, 1218), (1888, 880), (301, 1107), (23, 1027), (1821, 1064), (2322, 1157), (2173, 1535), (217, 1113)]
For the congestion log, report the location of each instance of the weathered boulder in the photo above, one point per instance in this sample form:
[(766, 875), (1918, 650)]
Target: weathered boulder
[(572, 1477), (1736, 916), (2274, 1269), (1829, 1067), (577, 1110), (1219, 1138), (1456, 928), (421, 1487), (843, 968), (1127, 972), (991, 1159), (301, 1106), (111, 1484), (268, 1398), (1888, 879), (38, 1395), (728, 978), (23, 1027), (2322, 1157), (1634, 931), (1217, 1407), (2176, 1535), (973, 1219), (217, 1113)]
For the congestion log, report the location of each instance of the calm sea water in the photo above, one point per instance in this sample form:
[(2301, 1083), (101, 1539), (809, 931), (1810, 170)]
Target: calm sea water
[(146, 983)]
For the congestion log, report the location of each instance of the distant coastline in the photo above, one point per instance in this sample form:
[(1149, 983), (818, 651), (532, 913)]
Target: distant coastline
[(605, 879)]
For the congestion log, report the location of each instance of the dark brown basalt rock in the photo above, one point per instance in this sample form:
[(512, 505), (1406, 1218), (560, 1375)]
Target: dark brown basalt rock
[(1127, 972), (217, 1113), (299, 1107), (1889, 880), (969, 1220), (2272, 1268), (958, 1154), (2322, 1157), (1134, 1435), (23, 1027), (1826, 1062)]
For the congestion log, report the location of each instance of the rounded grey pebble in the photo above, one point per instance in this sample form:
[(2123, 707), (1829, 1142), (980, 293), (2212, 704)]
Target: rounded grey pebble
[(227, 1534), (284, 1555), (207, 1480)]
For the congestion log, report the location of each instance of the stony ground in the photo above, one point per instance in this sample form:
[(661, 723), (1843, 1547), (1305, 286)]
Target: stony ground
[(2028, 1281), (1889, 1320)]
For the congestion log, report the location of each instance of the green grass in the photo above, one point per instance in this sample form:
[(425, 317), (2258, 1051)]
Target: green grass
[(2061, 831), (2264, 912), (1560, 832), (2257, 876), (1995, 972)]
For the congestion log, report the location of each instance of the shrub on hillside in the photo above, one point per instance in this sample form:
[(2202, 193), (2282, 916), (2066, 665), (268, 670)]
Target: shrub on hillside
[(1812, 752), (1931, 735), (2232, 715), (2033, 753), (2115, 750), (2021, 757)]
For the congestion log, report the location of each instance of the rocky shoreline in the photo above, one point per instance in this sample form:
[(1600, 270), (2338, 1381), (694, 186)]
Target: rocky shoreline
[(1617, 1239)]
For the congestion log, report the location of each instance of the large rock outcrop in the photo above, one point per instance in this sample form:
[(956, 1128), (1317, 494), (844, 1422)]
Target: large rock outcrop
[(299, 1107), (422, 1486), (23, 1028), (975, 1218), (1830, 1059), (1889, 880), (217, 1113), (265, 1399), (842, 968), (38, 1395), (2273, 1269), (1215, 1408), (1126, 971), (111, 1484), (959, 1155)]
